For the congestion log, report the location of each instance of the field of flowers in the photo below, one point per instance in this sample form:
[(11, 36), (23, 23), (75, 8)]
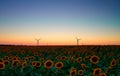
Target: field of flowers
[(60, 60)]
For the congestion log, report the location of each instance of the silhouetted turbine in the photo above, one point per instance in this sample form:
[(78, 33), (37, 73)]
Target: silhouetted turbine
[(77, 40), (37, 41)]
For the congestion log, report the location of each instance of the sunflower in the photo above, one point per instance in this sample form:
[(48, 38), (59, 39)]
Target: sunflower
[(48, 64), (32, 57), (6, 57), (79, 59), (118, 56), (33, 63), (16, 63), (103, 74), (83, 66), (94, 59), (24, 64), (96, 71), (15, 58), (26, 59), (38, 64), (73, 72), (73, 69), (2, 65), (6, 62), (18, 58), (63, 58), (10, 58), (59, 65), (113, 62), (1, 60), (80, 72), (23, 52)]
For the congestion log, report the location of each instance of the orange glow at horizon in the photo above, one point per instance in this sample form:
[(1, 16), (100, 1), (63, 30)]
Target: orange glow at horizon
[(59, 41)]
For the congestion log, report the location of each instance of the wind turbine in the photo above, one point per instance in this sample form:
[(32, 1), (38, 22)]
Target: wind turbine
[(37, 41), (78, 40)]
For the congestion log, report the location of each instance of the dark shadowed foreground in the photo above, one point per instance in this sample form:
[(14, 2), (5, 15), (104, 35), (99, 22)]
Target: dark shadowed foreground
[(85, 60)]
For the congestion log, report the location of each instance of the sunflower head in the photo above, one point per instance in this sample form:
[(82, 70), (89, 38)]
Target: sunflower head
[(63, 58), (10, 58), (80, 72), (32, 57), (6, 57), (6, 62), (73, 69), (59, 65), (103, 74), (33, 63), (94, 59), (26, 59), (79, 59), (15, 58), (2, 65), (83, 66), (73, 72), (118, 56), (113, 62), (15, 63), (96, 71), (24, 64), (1, 60), (48, 64), (38, 64)]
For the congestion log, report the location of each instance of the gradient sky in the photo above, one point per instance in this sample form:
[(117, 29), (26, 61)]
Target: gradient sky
[(60, 21)]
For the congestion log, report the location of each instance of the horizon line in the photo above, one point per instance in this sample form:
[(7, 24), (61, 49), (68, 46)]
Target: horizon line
[(59, 45)]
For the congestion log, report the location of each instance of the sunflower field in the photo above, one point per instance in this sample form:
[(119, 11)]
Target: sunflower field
[(59, 60)]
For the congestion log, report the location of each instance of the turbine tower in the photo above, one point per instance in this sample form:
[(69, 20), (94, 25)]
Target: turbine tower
[(78, 40), (37, 41)]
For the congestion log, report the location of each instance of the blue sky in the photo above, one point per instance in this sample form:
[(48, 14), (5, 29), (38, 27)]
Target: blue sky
[(60, 21)]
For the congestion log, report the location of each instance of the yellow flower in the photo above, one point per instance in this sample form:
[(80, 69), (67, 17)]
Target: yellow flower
[(6, 62), (59, 65), (33, 63), (48, 64), (1, 59), (6, 57), (73, 72), (96, 71), (113, 62), (103, 74), (80, 72), (24, 64), (94, 59), (38, 64), (63, 58), (79, 59), (2, 65), (15, 63), (83, 66)]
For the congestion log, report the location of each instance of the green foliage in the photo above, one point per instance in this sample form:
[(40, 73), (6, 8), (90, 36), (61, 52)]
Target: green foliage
[(105, 54)]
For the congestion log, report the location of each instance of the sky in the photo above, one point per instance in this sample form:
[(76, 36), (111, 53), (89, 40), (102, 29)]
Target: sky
[(60, 22)]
